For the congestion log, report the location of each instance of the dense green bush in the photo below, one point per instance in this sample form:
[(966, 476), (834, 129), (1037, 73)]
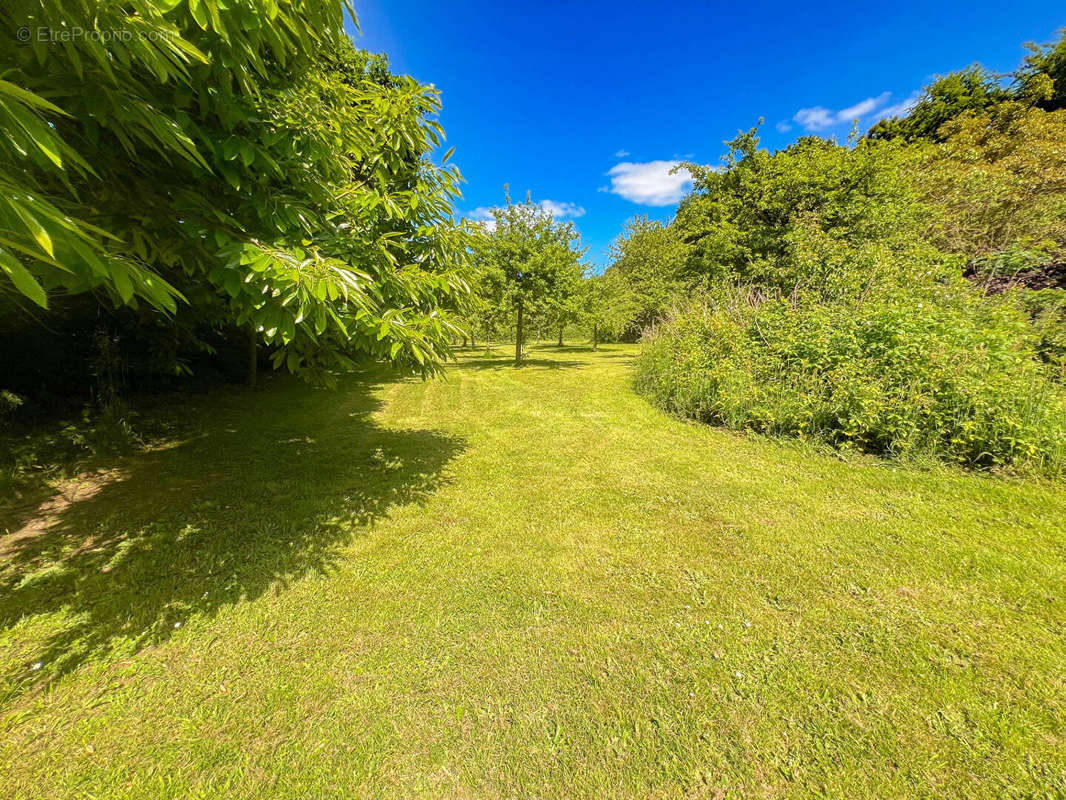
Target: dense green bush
[(1047, 309), (947, 372)]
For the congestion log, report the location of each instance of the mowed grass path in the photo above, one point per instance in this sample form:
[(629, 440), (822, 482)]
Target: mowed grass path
[(526, 583)]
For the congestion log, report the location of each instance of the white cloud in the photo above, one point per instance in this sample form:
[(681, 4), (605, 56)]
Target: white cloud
[(783, 127), (562, 210), (621, 154), (815, 119), (559, 210), (900, 108), (819, 118), (650, 184), (863, 107), (483, 216)]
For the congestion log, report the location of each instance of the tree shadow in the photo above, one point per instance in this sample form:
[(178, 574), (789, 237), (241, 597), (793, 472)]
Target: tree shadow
[(505, 363), (601, 355), (268, 487)]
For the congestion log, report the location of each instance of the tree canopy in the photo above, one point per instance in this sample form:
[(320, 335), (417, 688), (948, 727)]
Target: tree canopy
[(531, 267), (236, 164)]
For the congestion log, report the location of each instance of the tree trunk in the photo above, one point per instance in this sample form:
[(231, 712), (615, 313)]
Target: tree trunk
[(464, 343), (473, 344), (561, 336), (518, 336), (253, 356), (595, 335)]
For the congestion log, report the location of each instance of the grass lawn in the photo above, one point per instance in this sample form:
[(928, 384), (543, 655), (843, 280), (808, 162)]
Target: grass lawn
[(525, 583)]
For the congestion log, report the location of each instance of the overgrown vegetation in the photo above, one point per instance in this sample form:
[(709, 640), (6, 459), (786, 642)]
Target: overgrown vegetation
[(901, 294), (945, 373)]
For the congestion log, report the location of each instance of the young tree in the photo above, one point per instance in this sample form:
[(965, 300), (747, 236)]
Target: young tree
[(566, 305), (607, 306), (531, 261)]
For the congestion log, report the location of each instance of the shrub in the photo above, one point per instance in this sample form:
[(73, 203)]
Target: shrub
[(948, 372), (1047, 309)]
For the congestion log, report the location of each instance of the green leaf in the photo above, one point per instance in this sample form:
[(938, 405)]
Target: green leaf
[(29, 98), (199, 13), (35, 228), (121, 278), (23, 280)]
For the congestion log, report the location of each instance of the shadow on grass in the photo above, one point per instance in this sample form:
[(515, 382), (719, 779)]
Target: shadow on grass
[(526, 363), (569, 348), (270, 487)]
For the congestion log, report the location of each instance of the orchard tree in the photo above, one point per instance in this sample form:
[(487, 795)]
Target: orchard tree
[(531, 260), (565, 307), (607, 307)]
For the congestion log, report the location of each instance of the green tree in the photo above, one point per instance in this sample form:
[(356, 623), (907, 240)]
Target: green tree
[(647, 271), (1042, 76), (607, 306), (238, 164), (973, 89), (565, 307), (531, 260), (818, 215)]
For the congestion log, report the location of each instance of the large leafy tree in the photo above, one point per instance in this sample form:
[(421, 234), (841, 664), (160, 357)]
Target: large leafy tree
[(532, 260), (973, 89), (236, 163), (1039, 82), (816, 215)]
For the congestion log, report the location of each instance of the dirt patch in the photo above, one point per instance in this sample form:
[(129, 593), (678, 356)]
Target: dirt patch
[(34, 522)]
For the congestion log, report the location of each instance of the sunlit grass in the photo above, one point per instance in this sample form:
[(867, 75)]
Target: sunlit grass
[(528, 582)]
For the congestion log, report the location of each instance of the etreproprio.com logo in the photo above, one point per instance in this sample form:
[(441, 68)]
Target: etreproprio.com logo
[(76, 33)]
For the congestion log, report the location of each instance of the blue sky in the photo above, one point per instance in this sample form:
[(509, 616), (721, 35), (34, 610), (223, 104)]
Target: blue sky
[(586, 104)]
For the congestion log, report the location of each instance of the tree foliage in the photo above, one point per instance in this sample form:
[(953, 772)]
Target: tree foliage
[(531, 265), (1040, 81), (236, 164), (972, 90), (1042, 75), (648, 261), (998, 183), (815, 215), (608, 307)]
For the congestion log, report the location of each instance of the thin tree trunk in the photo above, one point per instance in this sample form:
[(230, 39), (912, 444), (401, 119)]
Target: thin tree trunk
[(253, 356), (518, 336), (560, 336), (473, 344), (595, 335)]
